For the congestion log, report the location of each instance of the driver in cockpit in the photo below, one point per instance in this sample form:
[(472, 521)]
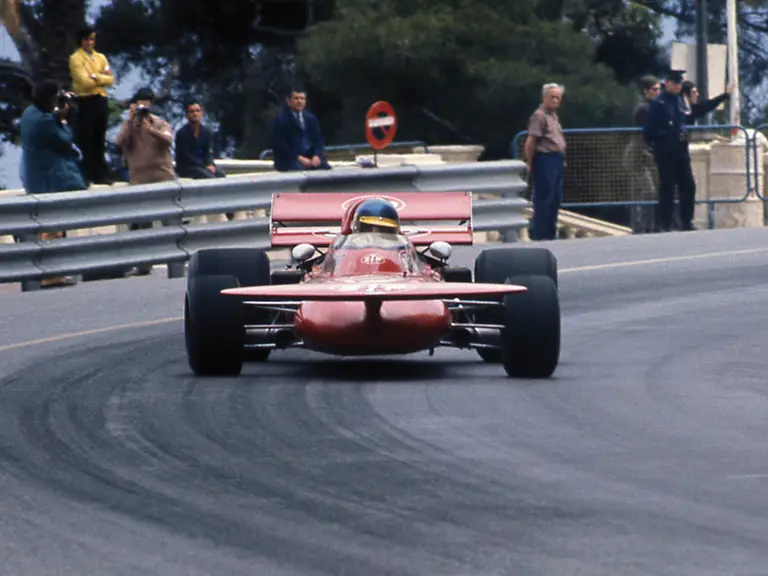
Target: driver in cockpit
[(376, 215)]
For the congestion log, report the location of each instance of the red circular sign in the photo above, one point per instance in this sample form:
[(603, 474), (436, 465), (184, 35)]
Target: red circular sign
[(380, 125)]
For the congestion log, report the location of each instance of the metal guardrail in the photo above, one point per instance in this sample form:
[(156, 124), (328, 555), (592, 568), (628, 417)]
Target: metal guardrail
[(175, 203), (617, 139), (364, 146)]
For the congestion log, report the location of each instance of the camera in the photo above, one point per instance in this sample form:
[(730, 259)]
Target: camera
[(64, 98), (143, 111)]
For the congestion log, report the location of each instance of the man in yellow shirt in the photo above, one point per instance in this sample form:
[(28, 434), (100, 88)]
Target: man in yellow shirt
[(91, 76)]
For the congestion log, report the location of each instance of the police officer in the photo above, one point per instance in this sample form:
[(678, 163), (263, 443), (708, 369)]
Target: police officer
[(666, 133)]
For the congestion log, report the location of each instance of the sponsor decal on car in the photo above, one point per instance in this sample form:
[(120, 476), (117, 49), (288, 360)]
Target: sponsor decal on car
[(372, 259)]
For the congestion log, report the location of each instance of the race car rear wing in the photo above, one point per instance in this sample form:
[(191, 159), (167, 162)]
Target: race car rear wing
[(425, 217)]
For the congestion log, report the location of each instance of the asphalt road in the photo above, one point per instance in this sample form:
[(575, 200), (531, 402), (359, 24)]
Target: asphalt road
[(645, 454)]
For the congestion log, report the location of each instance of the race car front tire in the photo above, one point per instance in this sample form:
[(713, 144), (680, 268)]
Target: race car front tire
[(251, 267), (495, 265), (530, 339), (214, 327)]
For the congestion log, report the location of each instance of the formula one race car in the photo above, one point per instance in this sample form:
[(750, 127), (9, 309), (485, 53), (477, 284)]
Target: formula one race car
[(372, 286)]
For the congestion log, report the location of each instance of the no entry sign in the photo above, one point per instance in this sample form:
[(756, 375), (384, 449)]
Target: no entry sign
[(380, 125)]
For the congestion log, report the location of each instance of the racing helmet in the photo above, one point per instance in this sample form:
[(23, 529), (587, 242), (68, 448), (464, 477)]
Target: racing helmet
[(376, 215)]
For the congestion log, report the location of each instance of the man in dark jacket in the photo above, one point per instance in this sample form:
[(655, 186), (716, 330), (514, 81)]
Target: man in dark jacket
[(50, 158), (194, 146), (666, 132), (297, 141)]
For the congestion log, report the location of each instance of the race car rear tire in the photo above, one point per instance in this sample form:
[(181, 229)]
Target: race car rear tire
[(530, 339), (214, 327), (457, 274), (495, 265), (250, 266)]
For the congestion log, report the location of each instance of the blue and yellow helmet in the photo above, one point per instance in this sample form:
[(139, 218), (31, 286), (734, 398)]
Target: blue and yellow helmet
[(376, 215)]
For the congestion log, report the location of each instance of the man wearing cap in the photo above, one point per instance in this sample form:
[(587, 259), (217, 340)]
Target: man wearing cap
[(145, 141), (666, 133)]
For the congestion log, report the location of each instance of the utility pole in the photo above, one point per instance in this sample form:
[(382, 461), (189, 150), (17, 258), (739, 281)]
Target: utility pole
[(702, 40), (733, 62)]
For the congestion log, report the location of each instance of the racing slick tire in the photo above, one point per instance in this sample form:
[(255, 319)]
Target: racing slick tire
[(530, 339), (495, 265), (214, 327), (250, 266)]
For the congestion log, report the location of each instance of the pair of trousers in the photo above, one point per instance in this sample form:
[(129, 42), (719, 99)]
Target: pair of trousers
[(674, 164), (547, 171), (91, 133)]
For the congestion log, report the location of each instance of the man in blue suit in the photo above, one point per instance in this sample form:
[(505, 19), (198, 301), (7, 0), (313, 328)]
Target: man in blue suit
[(297, 142)]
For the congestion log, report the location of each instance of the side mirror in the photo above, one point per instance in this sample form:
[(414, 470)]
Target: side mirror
[(303, 252), (440, 250)]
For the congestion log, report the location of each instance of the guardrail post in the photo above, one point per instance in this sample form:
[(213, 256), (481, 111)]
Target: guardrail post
[(176, 269), (510, 235), (29, 285)]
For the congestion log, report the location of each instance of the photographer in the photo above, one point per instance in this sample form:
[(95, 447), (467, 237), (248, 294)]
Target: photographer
[(145, 141), (50, 158)]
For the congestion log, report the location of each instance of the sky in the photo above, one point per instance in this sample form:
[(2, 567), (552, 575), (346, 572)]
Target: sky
[(125, 87)]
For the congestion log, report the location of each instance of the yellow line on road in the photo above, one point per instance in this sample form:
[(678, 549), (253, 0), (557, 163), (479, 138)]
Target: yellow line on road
[(608, 266), (70, 335), (632, 263)]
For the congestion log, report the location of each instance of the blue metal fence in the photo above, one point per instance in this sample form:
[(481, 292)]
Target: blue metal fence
[(756, 160), (751, 159)]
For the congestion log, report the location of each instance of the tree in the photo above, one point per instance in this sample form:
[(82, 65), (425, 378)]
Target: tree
[(234, 56), (43, 32), (457, 69), (753, 52), (60, 21), (478, 66)]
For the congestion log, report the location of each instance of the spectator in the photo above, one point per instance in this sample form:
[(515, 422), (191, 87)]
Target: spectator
[(696, 109), (49, 155), (145, 141), (297, 140), (666, 132), (91, 76), (545, 157), (194, 146), (638, 161)]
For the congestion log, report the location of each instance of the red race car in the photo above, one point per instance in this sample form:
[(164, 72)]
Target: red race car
[(363, 282)]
